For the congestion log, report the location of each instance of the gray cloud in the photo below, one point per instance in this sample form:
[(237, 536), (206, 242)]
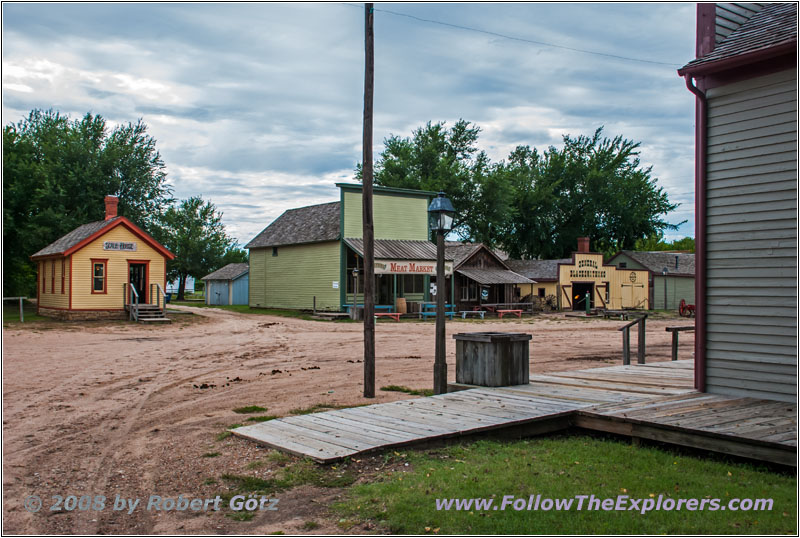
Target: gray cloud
[(258, 106)]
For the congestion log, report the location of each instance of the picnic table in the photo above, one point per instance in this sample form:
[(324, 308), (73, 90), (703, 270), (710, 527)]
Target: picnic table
[(505, 307), (394, 315), (465, 313)]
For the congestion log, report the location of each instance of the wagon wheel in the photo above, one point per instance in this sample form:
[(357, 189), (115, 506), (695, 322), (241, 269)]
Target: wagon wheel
[(683, 309)]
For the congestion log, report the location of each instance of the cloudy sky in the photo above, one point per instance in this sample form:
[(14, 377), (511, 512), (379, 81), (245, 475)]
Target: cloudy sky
[(258, 107)]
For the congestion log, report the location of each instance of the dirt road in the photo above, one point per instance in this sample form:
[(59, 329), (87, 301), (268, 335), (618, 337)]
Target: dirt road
[(130, 410)]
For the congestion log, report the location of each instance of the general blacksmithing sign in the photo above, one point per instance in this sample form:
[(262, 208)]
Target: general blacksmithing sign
[(409, 267), (119, 245)]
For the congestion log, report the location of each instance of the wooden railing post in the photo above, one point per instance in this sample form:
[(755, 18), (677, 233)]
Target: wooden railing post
[(674, 345), (641, 328), (626, 346)]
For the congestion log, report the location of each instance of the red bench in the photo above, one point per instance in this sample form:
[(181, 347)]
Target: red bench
[(500, 313), (394, 315)]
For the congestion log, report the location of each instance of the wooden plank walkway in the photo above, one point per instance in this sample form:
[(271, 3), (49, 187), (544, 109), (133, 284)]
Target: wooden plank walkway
[(654, 401)]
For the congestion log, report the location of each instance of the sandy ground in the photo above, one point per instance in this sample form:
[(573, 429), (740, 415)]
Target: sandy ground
[(118, 409)]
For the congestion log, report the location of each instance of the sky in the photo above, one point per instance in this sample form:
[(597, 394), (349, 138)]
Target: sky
[(258, 107)]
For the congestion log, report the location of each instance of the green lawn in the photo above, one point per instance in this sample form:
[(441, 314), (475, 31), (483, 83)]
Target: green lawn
[(402, 501), (11, 312), (245, 309)]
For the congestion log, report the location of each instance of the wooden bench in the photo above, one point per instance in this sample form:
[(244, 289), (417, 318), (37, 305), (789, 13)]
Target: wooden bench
[(426, 315), (464, 313), (394, 315), (517, 313)]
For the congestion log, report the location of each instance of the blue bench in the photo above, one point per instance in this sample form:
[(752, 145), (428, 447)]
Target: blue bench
[(429, 310)]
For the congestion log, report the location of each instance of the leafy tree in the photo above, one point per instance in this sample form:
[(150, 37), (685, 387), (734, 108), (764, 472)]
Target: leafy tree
[(56, 172), (594, 186), (436, 158), (534, 204), (657, 243), (194, 232), (235, 255)]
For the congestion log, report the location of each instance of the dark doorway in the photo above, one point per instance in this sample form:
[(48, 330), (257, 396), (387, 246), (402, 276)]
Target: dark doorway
[(138, 279), (579, 291), (384, 287)]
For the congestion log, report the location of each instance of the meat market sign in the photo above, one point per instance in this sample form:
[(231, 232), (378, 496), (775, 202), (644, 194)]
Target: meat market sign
[(409, 267), (119, 245)]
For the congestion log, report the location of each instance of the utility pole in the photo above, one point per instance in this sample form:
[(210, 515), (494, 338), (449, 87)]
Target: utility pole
[(366, 195)]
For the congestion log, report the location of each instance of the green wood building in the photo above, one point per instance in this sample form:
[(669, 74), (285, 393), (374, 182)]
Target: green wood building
[(314, 255)]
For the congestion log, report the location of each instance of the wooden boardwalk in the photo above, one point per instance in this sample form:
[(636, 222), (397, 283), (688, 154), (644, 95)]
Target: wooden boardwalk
[(654, 401)]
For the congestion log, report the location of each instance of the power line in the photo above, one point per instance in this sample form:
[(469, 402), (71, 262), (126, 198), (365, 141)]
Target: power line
[(520, 39)]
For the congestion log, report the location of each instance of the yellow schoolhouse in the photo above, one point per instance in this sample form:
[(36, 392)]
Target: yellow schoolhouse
[(100, 269)]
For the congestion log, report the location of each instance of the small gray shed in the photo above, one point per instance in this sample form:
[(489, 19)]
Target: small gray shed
[(228, 285)]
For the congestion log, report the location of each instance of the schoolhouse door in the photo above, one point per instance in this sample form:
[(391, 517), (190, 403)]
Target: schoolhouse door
[(138, 279)]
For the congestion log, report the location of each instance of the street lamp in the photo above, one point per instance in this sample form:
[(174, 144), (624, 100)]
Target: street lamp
[(440, 218)]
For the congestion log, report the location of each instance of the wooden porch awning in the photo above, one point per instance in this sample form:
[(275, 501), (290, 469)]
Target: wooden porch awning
[(490, 276), (401, 257)]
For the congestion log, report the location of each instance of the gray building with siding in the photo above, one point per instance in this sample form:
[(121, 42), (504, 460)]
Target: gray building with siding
[(228, 285), (745, 81)]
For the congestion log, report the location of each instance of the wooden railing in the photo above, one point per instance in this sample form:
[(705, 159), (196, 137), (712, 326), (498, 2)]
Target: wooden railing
[(160, 296), (675, 331), (626, 340), (131, 300)]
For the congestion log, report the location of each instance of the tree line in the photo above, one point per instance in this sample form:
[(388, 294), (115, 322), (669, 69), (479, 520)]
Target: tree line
[(56, 173), (534, 204)]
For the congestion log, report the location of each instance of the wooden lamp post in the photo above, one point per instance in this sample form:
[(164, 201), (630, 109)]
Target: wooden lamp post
[(440, 214)]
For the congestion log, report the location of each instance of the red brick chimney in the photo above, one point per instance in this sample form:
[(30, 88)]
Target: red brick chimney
[(111, 207), (583, 244)]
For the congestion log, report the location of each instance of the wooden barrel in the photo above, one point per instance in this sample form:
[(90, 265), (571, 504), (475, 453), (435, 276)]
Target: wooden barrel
[(492, 359), (400, 305)]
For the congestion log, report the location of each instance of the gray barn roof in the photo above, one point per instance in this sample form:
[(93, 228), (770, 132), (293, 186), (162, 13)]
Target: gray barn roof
[(231, 271), (311, 224), (537, 269), (774, 24), (494, 275), (395, 249), (655, 261), (74, 237)]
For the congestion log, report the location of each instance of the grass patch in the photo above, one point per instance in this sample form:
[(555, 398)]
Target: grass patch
[(261, 418), (211, 454), (210, 481), (249, 409), (11, 312), (241, 516), (563, 467), (224, 435), (279, 457), (321, 407), (310, 525), (401, 388)]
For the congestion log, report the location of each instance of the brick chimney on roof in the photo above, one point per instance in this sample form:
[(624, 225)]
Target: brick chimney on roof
[(583, 244), (111, 206)]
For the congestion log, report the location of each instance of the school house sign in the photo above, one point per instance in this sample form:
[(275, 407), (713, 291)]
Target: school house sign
[(119, 245)]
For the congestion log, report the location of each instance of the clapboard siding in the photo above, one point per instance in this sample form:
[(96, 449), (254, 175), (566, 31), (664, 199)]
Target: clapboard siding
[(301, 272), (394, 217), (751, 238), (258, 280)]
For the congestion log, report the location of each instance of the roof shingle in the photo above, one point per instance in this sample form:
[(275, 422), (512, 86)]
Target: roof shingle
[(677, 263), (228, 272), (537, 269), (774, 24), (74, 237), (311, 224)]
